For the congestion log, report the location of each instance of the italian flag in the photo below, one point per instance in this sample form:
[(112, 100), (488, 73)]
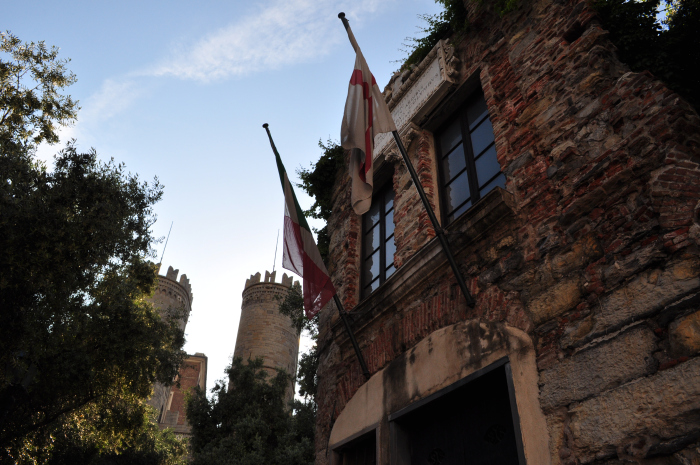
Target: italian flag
[(301, 254)]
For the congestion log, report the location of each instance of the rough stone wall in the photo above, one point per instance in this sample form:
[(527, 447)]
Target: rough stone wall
[(263, 331), (592, 251)]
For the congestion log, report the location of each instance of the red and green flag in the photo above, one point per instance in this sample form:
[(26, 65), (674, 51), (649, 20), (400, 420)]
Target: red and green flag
[(300, 253)]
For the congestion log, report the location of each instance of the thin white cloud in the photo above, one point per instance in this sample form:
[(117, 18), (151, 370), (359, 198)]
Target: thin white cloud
[(115, 96), (282, 32), (285, 32)]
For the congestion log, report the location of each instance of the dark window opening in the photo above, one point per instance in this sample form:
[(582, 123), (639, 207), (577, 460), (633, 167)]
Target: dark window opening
[(378, 245), (361, 451), (472, 424), (467, 158)]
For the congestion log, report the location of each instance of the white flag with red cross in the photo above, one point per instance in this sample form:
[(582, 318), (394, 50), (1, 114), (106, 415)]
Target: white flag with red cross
[(366, 115)]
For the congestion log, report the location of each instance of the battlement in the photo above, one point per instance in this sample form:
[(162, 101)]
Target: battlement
[(269, 278), (184, 280), (265, 332)]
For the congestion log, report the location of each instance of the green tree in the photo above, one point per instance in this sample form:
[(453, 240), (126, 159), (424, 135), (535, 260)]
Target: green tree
[(78, 339), (75, 328), (644, 42), (113, 432), (293, 306), (31, 107), (249, 424), (318, 182)]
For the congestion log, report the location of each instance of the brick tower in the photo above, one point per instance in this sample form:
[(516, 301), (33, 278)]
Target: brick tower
[(263, 331)]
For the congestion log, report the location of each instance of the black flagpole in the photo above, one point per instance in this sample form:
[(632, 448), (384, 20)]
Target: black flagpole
[(344, 317), (341, 310), (438, 229)]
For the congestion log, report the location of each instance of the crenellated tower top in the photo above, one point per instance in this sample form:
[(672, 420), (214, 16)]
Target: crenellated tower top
[(263, 331), (269, 278)]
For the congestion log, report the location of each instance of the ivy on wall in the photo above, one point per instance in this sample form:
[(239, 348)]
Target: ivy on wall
[(318, 181), (452, 22)]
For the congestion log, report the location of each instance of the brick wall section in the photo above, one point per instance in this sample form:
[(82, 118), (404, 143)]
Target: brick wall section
[(344, 249), (189, 378), (193, 372), (413, 227), (598, 259)]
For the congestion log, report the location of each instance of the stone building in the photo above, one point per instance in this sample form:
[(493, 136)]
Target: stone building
[(569, 189), (263, 331), (173, 299), (193, 373)]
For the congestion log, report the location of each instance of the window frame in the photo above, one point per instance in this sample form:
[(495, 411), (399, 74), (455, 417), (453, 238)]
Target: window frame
[(470, 159), (379, 195)]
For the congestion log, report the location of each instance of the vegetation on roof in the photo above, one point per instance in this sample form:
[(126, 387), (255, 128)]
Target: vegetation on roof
[(450, 22)]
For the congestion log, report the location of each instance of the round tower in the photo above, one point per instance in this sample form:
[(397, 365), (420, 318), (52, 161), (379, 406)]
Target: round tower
[(173, 297), (263, 331)]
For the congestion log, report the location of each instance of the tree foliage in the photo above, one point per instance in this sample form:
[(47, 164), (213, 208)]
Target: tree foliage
[(249, 424), (31, 107), (318, 182), (452, 22), (112, 432), (80, 346), (664, 48), (439, 26), (293, 307)]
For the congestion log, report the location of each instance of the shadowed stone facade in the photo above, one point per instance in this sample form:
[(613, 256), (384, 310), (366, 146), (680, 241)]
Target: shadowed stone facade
[(584, 267), (263, 331)]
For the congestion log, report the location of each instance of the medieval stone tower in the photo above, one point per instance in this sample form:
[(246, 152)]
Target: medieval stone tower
[(173, 296), (172, 299), (263, 331)]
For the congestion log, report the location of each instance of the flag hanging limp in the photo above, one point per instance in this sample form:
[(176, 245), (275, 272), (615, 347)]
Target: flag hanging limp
[(300, 253), (366, 115)]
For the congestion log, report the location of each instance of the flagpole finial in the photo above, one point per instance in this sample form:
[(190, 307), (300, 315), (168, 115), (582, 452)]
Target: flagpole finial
[(265, 125), (341, 15)]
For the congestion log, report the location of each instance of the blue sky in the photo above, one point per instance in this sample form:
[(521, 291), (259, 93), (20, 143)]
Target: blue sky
[(180, 90)]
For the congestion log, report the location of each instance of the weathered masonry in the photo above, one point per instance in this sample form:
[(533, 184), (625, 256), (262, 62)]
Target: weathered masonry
[(263, 331), (569, 188)]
